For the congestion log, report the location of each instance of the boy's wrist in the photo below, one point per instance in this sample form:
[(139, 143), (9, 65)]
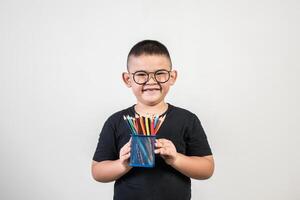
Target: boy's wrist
[(124, 165), (176, 159)]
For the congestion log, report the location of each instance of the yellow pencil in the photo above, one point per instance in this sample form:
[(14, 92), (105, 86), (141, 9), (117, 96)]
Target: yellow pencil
[(147, 125)]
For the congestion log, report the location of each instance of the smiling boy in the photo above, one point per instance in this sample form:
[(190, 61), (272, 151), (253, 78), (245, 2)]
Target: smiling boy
[(182, 149)]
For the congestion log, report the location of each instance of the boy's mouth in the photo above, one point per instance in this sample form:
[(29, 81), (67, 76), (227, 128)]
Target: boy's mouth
[(151, 89)]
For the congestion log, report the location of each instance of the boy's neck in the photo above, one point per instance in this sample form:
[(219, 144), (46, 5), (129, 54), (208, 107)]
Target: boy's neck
[(146, 110)]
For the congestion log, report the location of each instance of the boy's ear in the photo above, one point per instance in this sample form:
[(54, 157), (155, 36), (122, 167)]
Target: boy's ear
[(173, 77), (126, 79)]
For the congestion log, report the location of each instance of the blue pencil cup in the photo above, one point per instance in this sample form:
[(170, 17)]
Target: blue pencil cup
[(142, 151)]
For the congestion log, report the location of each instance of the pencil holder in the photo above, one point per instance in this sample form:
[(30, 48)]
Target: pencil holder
[(142, 151)]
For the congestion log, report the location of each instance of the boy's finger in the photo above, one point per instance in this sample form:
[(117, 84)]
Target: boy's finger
[(123, 153), (164, 141), (158, 145), (161, 142), (127, 144), (126, 156), (127, 149), (163, 151)]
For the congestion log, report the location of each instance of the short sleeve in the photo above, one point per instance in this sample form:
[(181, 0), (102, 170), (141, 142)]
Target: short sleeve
[(196, 140), (106, 148)]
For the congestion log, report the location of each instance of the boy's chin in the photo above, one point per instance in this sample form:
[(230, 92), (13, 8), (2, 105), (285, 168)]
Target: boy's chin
[(152, 100), (151, 96)]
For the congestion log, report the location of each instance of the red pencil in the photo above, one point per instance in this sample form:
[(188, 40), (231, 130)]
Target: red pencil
[(152, 126), (142, 125)]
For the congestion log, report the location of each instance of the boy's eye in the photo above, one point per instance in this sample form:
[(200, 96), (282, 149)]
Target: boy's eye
[(140, 74), (159, 73)]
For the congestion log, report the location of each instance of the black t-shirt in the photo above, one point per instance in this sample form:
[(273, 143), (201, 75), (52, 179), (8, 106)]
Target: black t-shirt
[(162, 182)]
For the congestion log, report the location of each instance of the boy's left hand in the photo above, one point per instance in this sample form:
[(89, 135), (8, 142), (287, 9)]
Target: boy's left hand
[(167, 150)]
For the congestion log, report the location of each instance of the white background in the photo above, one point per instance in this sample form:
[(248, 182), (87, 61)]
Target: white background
[(60, 79)]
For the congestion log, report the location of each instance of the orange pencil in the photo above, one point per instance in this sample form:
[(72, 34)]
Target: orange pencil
[(160, 121), (142, 125)]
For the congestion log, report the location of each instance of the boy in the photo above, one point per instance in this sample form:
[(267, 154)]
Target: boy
[(182, 150)]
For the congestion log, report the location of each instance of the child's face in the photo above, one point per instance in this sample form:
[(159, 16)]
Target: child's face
[(151, 92)]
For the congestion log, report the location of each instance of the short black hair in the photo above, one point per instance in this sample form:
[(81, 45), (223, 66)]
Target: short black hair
[(149, 47)]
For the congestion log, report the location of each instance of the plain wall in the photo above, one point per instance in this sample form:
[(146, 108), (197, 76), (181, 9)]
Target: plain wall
[(60, 79)]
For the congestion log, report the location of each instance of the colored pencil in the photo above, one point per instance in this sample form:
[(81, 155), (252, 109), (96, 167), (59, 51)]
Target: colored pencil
[(147, 125), (131, 124), (159, 124), (144, 125), (156, 120), (152, 126), (128, 124)]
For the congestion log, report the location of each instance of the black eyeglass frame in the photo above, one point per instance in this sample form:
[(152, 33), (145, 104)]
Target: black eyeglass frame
[(154, 75)]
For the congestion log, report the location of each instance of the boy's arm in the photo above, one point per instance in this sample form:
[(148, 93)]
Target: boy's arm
[(111, 170), (108, 170), (192, 166)]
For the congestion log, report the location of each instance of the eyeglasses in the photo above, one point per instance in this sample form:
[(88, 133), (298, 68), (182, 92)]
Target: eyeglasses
[(141, 77)]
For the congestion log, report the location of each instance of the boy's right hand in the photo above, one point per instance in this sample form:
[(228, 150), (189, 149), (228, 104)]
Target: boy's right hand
[(125, 153)]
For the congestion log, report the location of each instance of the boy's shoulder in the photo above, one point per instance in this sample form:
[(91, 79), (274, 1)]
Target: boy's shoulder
[(183, 111), (118, 115)]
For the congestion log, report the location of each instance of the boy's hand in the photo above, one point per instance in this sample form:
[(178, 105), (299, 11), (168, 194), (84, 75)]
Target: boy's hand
[(125, 153), (167, 150)]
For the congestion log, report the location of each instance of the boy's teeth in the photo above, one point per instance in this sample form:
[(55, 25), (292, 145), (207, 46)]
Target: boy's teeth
[(150, 89)]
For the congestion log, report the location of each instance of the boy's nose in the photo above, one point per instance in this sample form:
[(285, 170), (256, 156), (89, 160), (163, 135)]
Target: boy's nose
[(151, 76)]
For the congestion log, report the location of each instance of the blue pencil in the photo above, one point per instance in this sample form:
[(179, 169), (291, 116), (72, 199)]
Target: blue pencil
[(131, 124), (156, 120), (128, 124)]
